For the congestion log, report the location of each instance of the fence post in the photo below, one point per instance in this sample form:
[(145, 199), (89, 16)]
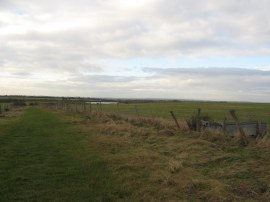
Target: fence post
[(243, 138), (198, 128), (225, 126), (136, 110), (100, 106), (67, 105), (90, 106), (258, 132), (175, 120), (84, 106), (118, 107), (0, 109)]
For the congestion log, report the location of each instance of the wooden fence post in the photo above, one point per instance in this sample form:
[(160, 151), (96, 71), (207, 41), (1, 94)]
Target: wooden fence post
[(68, 105), (258, 132), (0, 109), (243, 138), (198, 128), (136, 110), (225, 126), (118, 107), (100, 106), (175, 120)]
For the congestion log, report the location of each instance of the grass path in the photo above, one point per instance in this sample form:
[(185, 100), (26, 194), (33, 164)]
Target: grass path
[(42, 158)]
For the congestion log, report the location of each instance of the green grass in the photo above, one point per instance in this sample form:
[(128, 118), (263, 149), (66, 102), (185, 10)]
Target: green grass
[(43, 158), (184, 110), (67, 156)]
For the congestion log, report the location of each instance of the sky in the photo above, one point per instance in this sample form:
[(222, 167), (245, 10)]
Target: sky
[(163, 49)]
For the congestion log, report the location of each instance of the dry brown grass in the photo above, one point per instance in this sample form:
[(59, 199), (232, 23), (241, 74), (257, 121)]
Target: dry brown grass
[(156, 162), (6, 117), (157, 123)]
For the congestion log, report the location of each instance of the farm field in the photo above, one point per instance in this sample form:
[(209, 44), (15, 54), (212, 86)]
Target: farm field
[(184, 110), (61, 155)]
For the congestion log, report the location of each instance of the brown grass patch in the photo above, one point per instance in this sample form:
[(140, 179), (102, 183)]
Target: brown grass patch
[(157, 162), (116, 129)]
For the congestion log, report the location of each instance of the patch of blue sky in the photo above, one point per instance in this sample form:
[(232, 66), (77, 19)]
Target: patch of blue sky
[(136, 64), (20, 13)]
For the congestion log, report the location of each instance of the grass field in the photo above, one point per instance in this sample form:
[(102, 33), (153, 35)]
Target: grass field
[(58, 155), (42, 158), (184, 110)]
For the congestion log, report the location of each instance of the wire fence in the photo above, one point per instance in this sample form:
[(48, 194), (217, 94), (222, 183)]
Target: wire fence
[(173, 111), (5, 107), (185, 110), (179, 111)]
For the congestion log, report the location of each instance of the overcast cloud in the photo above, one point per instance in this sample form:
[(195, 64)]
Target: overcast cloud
[(136, 49)]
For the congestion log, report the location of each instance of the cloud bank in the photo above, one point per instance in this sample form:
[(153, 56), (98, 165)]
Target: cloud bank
[(74, 48)]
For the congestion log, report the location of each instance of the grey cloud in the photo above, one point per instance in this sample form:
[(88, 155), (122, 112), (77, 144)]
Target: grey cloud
[(75, 38), (22, 74), (223, 21), (105, 79), (188, 85), (172, 27), (217, 83), (210, 71)]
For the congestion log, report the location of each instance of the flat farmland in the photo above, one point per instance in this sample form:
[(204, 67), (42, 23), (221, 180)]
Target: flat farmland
[(53, 153), (184, 110)]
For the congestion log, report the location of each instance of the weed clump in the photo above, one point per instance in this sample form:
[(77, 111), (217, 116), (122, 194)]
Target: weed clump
[(192, 122), (174, 165)]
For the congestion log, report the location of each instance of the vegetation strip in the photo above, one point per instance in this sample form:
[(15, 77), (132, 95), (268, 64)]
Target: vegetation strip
[(55, 156), (159, 164), (42, 158)]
